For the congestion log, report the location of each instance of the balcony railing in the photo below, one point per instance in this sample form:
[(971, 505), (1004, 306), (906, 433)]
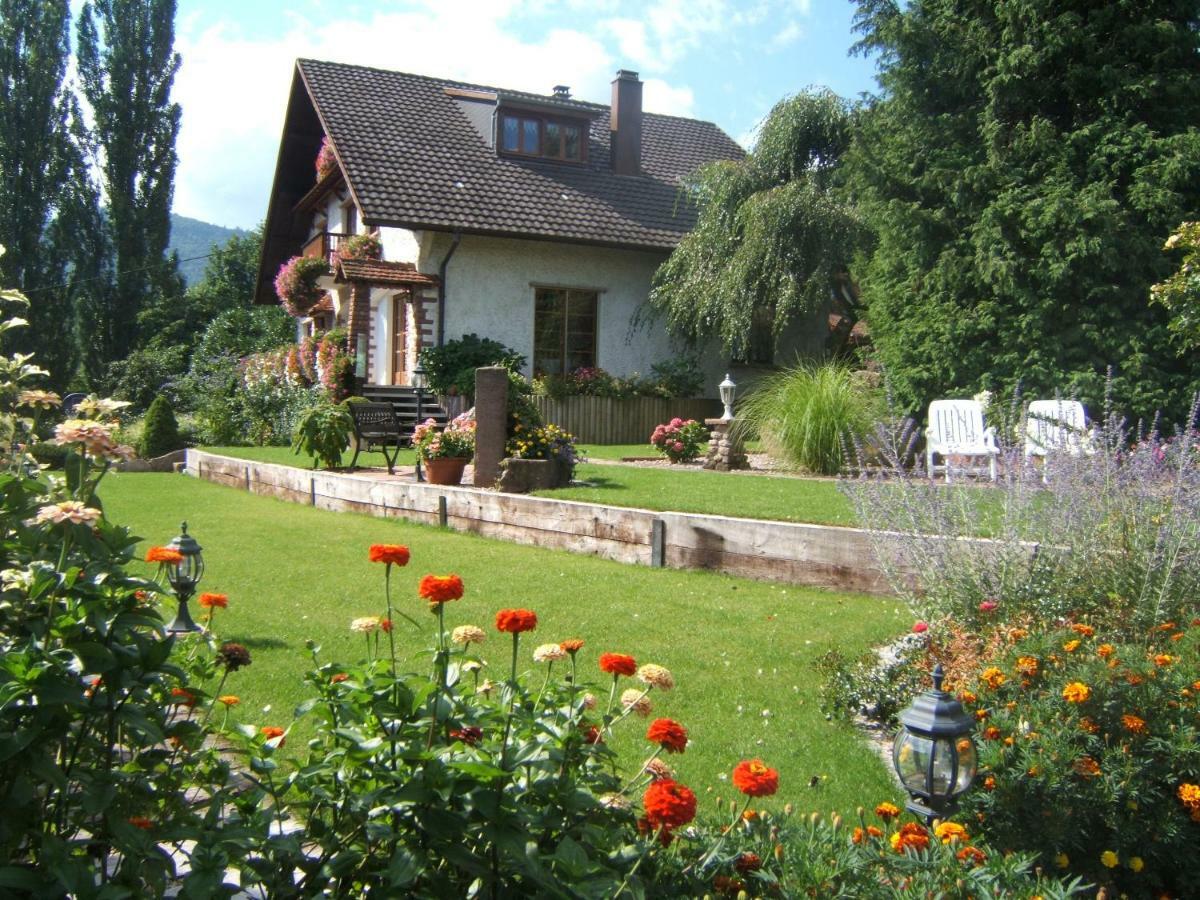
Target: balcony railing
[(323, 245)]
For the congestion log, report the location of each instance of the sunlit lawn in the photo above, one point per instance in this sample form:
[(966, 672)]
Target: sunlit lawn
[(741, 651)]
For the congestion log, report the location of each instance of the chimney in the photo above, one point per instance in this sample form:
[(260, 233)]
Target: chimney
[(562, 92), (625, 121)]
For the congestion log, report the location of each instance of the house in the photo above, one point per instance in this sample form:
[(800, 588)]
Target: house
[(534, 220)]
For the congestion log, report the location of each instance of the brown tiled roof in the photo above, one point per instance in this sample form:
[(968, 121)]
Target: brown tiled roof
[(414, 159), (325, 304), (380, 272)]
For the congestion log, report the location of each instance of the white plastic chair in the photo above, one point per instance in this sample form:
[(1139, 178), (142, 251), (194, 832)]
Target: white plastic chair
[(956, 429), (1055, 426)]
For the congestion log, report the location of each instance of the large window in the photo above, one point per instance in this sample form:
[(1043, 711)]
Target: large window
[(531, 135), (564, 330)]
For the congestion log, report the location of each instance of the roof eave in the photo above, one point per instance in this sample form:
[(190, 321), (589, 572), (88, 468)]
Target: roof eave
[(520, 235)]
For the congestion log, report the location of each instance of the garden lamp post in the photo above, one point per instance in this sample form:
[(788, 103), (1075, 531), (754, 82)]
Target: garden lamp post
[(934, 754), (420, 379), (728, 391), (183, 577)]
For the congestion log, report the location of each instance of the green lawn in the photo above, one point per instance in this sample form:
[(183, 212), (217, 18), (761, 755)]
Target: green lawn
[(741, 651), (716, 493)]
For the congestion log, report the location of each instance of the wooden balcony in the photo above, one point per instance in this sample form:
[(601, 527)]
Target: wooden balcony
[(323, 245)]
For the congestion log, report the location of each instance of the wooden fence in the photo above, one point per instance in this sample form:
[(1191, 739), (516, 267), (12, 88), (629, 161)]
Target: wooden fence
[(604, 420)]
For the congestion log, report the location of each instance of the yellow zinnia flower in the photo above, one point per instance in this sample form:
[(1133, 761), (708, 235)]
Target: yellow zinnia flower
[(1109, 858)]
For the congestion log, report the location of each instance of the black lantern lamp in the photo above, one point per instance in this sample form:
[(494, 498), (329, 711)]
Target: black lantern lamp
[(728, 391), (183, 577), (420, 380), (934, 754)]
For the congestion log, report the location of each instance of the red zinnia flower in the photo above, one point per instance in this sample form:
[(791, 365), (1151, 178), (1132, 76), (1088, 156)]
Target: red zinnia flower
[(385, 625), (392, 554), (617, 664), (668, 804), (670, 735), (164, 555), (209, 601), (514, 621), (754, 779), (468, 734), (440, 588), (592, 735), (920, 627), (184, 696)]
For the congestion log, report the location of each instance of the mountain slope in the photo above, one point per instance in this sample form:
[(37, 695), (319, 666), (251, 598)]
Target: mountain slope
[(192, 238)]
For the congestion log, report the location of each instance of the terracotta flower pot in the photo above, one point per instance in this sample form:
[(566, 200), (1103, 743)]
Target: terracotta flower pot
[(447, 470)]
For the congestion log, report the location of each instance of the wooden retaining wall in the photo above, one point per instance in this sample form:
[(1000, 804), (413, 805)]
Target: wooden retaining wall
[(604, 420), (820, 555)]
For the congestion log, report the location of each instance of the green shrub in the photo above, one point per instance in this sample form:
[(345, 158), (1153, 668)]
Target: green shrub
[(811, 414), (323, 432), (680, 441), (679, 377), (877, 686), (451, 367), (146, 373), (1090, 745), (160, 431)]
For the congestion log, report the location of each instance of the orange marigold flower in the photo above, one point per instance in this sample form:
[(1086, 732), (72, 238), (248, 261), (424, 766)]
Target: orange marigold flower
[(184, 696), (1177, 636), (1027, 665), (270, 732), (338, 678), (887, 811), (441, 588), (1076, 692), (972, 856), (992, 677), (991, 733), (141, 822), (1134, 678), (1189, 796), (1086, 767), (874, 832), (1071, 646), (214, 601), (1163, 659), (910, 836), (572, 645), (857, 836), (755, 779), (1085, 630), (515, 621), (1165, 626), (950, 832), (617, 664), (165, 555), (1133, 724), (1196, 685), (967, 697), (1090, 725), (748, 862), (392, 554), (1016, 634), (989, 783), (668, 804), (668, 734), (981, 714)]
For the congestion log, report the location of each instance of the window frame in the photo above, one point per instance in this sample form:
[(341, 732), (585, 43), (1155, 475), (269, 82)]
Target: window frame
[(521, 116), (539, 291)]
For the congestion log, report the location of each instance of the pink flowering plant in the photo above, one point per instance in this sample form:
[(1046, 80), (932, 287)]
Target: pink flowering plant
[(296, 284), (455, 441), (360, 246), (326, 160), (680, 440)]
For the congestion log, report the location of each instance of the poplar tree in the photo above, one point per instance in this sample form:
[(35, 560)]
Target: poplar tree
[(127, 64), (1021, 169)]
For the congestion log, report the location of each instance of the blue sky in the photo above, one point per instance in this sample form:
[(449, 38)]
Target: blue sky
[(727, 62)]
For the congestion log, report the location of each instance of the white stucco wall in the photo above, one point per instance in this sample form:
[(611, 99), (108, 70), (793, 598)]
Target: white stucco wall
[(490, 286), (399, 245)]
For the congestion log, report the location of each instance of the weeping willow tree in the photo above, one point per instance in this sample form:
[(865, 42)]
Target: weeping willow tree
[(773, 237)]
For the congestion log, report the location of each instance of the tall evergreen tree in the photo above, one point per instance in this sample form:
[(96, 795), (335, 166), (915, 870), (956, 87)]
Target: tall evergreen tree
[(127, 65), (1021, 170), (35, 169)]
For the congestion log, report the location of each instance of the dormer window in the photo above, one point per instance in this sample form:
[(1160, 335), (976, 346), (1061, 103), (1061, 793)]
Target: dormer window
[(530, 134)]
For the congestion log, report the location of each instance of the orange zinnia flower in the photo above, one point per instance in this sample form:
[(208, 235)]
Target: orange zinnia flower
[(184, 696), (210, 601), (164, 555), (572, 645), (270, 732), (668, 734), (392, 554), (668, 804), (617, 664), (754, 779), (514, 621), (440, 588)]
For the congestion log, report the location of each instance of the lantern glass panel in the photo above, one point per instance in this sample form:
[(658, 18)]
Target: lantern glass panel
[(911, 756), (945, 768), (967, 765)]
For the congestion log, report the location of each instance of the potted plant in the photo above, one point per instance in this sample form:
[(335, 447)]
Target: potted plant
[(297, 283), (360, 246), (445, 453)]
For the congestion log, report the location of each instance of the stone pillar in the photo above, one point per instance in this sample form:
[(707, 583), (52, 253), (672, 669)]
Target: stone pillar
[(491, 423), (725, 450), (358, 325)]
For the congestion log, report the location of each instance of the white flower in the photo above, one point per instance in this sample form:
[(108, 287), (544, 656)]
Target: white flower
[(590, 701), (549, 653), (637, 701), (365, 624), (468, 634), (656, 676)]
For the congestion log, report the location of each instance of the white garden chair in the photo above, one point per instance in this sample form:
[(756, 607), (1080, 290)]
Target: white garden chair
[(1053, 426), (956, 429)]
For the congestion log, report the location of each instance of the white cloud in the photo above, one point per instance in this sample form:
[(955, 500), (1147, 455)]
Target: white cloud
[(660, 97), (791, 33)]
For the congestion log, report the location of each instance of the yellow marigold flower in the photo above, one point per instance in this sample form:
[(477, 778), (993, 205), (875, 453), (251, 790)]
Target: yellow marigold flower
[(1062, 860), (1137, 863), (887, 811), (1109, 858), (656, 676), (1133, 724), (1076, 692), (1104, 651), (992, 677), (1027, 665), (1189, 795), (949, 832), (1071, 646)]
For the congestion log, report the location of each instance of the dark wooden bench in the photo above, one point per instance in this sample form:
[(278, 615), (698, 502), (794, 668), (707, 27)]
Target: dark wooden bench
[(377, 428)]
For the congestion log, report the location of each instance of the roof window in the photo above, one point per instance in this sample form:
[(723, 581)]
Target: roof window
[(531, 134)]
